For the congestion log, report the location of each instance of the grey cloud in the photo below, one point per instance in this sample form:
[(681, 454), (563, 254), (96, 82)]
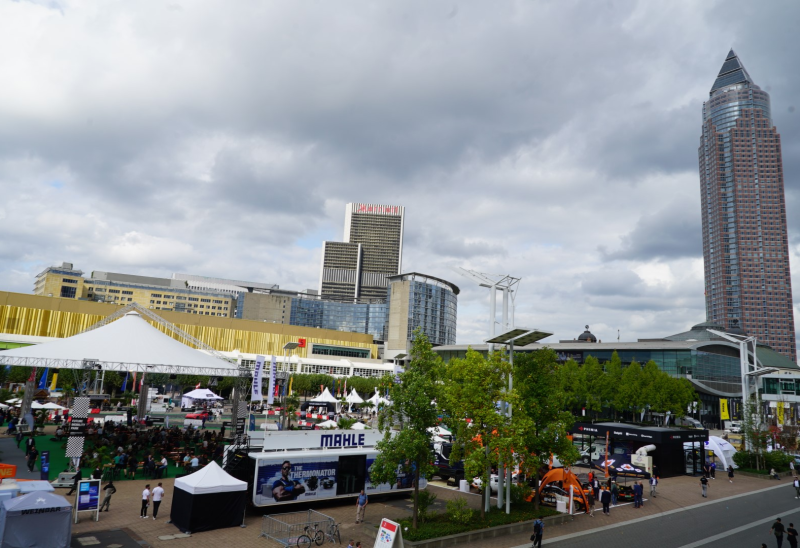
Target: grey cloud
[(672, 232)]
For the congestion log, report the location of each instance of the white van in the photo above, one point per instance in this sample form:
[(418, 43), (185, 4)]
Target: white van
[(688, 421)]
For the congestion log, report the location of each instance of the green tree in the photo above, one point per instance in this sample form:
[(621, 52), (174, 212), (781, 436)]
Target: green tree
[(630, 390), (540, 421), (611, 382), (572, 386), (412, 403), (593, 389), (472, 387)]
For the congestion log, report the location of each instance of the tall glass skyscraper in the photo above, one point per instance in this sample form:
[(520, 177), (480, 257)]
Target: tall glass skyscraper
[(745, 246)]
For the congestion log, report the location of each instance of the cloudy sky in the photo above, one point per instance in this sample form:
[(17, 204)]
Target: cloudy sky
[(553, 140)]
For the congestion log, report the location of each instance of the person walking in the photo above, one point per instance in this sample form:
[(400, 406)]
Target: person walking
[(361, 506), (791, 535), (590, 505), (75, 480), (638, 494), (605, 499), (595, 487), (796, 484), (29, 444), (145, 501), (730, 473), (614, 493), (704, 485), (713, 468), (538, 533), (653, 483), (108, 492), (33, 454), (158, 494), (778, 530)]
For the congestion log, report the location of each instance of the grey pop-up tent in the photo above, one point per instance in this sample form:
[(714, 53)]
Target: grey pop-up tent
[(36, 519)]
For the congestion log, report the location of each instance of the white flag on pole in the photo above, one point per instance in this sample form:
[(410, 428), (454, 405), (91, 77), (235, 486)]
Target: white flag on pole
[(257, 372), (273, 369)]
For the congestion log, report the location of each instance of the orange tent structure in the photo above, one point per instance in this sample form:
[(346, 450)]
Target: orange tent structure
[(567, 479)]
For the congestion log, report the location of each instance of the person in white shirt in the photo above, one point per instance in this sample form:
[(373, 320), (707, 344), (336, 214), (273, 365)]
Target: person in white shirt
[(145, 501), (162, 467), (158, 494), (195, 462)]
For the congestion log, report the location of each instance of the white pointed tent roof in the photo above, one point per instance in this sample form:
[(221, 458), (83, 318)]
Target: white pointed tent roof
[(325, 397), (210, 479), (353, 397), (201, 394), (127, 344)]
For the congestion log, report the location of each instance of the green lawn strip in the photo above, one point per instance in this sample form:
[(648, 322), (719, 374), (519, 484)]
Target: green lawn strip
[(439, 525)]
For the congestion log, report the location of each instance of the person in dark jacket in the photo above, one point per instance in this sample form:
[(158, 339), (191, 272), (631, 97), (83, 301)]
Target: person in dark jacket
[(78, 477), (605, 499)]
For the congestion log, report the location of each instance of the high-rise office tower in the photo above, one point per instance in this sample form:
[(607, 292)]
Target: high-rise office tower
[(358, 268), (745, 246)]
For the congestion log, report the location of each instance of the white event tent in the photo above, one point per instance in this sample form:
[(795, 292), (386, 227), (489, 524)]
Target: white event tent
[(199, 394), (127, 344)]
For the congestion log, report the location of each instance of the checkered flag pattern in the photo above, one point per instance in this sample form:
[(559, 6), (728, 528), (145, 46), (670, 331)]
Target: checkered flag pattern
[(242, 412), (74, 446), (80, 408)]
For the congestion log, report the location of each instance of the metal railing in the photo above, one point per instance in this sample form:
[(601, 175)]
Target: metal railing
[(287, 528)]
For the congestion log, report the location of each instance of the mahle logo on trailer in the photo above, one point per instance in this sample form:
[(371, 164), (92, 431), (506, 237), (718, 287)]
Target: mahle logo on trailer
[(342, 440)]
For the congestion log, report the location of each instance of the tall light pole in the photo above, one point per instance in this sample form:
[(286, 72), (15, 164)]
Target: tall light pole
[(522, 337), (747, 347)]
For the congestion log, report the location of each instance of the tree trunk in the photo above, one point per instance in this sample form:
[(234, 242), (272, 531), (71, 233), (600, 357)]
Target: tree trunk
[(416, 499), (536, 492)]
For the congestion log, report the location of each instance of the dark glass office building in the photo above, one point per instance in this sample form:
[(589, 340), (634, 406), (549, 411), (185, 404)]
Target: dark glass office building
[(745, 245)]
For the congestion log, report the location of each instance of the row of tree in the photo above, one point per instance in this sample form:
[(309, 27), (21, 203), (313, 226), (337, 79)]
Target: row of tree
[(465, 393)]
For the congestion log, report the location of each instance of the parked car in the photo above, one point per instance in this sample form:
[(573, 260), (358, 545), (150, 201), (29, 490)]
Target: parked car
[(688, 421), (477, 482), (735, 427)]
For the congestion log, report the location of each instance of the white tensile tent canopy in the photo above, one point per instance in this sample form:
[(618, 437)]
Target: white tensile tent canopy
[(353, 397), (325, 397), (377, 399), (127, 344), (328, 424), (359, 426)]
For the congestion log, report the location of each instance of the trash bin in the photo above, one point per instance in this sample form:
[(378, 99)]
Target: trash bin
[(463, 486)]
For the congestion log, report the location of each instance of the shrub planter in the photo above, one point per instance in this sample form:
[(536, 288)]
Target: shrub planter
[(489, 532)]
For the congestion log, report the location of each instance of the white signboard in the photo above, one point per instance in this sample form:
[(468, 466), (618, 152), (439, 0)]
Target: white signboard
[(388, 532), (321, 439)]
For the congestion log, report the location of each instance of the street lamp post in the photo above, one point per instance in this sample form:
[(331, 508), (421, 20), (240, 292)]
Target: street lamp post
[(521, 337)]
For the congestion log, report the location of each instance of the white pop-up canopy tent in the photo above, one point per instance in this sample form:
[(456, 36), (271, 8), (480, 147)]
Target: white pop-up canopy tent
[(377, 399), (353, 398), (203, 394), (325, 397), (328, 424), (208, 499), (127, 344)]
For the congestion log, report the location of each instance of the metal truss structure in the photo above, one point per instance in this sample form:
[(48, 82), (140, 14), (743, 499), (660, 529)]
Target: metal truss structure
[(123, 367), (163, 323)]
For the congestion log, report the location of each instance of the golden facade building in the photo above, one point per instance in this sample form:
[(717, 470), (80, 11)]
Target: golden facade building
[(28, 318)]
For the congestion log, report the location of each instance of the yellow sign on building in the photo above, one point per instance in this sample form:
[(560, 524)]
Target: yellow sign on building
[(723, 410)]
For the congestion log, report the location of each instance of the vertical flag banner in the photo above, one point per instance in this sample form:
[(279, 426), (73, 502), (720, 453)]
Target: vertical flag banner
[(125, 382), (53, 384), (291, 379), (272, 370), (43, 380), (780, 412), (723, 410), (33, 375), (257, 374), (134, 382)]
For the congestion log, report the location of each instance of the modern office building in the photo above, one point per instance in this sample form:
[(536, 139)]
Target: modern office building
[(358, 268), (418, 300), (109, 287), (745, 245), (358, 317)]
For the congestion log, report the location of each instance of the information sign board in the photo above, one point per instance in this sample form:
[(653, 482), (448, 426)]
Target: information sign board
[(389, 534)]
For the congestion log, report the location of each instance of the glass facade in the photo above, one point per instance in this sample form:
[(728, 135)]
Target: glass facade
[(433, 307), (368, 318)]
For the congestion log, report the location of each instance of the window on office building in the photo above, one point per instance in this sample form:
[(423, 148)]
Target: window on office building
[(68, 292)]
